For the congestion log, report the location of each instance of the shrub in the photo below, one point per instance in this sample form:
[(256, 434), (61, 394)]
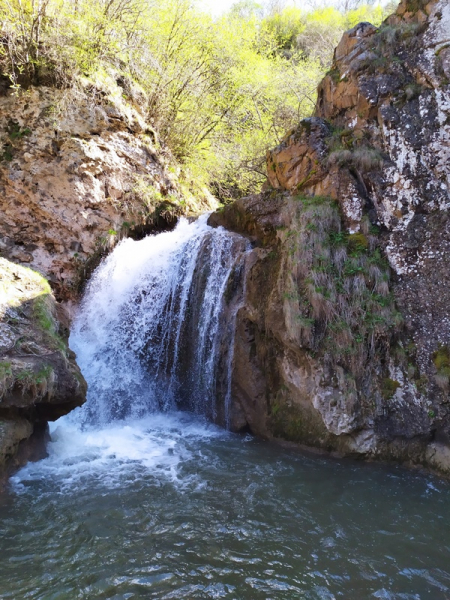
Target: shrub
[(389, 387)]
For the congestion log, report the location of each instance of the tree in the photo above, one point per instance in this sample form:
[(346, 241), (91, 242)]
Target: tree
[(246, 9)]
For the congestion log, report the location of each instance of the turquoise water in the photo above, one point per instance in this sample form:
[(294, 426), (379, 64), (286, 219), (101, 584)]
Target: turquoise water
[(172, 507), (137, 502)]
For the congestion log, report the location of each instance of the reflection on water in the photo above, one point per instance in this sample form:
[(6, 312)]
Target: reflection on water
[(171, 507)]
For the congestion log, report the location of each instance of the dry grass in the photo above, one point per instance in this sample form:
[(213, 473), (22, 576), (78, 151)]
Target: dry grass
[(345, 307)]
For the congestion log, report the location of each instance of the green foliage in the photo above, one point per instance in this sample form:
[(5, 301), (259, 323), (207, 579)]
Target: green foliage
[(34, 381), (218, 92), (357, 243), (346, 150), (147, 194), (16, 132), (441, 360), (42, 314), (5, 370), (7, 154), (28, 379), (284, 27)]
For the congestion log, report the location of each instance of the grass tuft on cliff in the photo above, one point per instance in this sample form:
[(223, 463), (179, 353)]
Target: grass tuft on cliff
[(345, 308)]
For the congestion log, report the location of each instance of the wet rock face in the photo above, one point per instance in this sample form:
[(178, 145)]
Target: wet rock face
[(39, 378), (378, 146)]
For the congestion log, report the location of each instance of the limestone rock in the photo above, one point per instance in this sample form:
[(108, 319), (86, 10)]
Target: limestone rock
[(77, 173), (376, 384), (39, 378)]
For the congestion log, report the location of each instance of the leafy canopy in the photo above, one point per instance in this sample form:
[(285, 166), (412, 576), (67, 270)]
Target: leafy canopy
[(219, 92)]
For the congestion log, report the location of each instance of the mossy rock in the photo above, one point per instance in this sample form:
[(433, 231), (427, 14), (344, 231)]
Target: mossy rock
[(389, 387)]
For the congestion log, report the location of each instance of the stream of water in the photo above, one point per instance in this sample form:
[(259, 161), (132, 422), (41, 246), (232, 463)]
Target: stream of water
[(140, 500)]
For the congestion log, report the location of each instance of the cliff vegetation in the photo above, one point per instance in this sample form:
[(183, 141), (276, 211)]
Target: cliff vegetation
[(218, 92), (343, 342)]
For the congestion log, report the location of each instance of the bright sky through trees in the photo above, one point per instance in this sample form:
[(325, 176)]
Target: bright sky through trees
[(217, 7), (218, 92)]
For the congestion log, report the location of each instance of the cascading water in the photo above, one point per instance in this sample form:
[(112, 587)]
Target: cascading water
[(152, 320), (136, 500)]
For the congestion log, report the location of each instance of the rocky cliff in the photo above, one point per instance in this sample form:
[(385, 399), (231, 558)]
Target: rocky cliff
[(39, 378), (80, 168), (344, 339)]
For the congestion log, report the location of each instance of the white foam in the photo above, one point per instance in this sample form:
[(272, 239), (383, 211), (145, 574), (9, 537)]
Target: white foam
[(124, 450)]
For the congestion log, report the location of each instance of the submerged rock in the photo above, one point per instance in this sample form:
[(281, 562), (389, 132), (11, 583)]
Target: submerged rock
[(39, 378), (344, 339)]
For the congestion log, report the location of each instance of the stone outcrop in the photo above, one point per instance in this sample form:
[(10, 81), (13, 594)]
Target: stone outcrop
[(80, 168), (336, 347), (39, 378)]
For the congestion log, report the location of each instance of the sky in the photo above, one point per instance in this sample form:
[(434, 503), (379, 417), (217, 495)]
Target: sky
[(216, 7)]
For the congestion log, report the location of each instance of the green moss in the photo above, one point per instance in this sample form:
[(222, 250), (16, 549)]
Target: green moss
[(292, 422), (287, 422), (357, 243), (42, 314), (43, 317), (334, 74), (441, 358), (307, 179), (389, 387), (5, 370)]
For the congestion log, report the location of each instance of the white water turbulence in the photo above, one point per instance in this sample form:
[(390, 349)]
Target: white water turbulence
[(152, 322), (137, 500)]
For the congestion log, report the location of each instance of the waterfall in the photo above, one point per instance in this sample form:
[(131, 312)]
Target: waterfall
[(155, 330)]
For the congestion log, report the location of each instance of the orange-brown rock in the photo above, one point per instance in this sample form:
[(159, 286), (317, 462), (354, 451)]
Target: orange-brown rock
[(376, 383), (300, 159)]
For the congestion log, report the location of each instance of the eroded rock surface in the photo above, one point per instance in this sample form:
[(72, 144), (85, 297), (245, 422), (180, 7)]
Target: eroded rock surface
[(336, 348), (79, 169), (39, 378)]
